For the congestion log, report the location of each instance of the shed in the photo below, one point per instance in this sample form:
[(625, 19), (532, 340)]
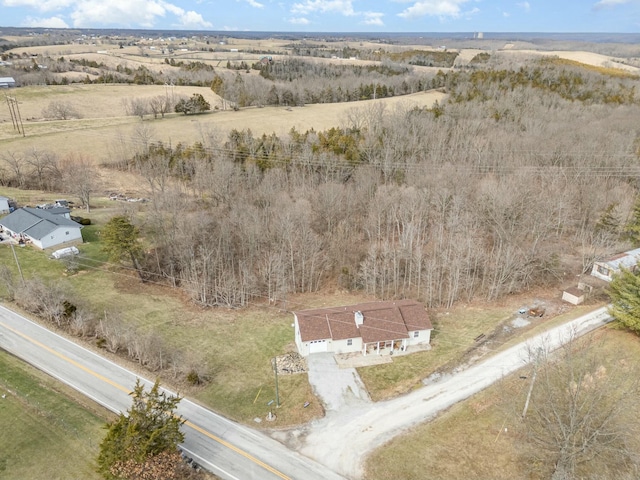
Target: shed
[(574, 295), (65, 252)]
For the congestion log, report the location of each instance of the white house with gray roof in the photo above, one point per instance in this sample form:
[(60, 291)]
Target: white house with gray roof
[(41, 227), (606, 269)]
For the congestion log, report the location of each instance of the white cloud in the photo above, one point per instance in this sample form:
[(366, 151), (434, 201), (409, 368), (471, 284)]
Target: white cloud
[(117, 12), (255, 4), (434, 8), (42, 5), (188, 19), (506, 14), (144, 13), (344, 7), (373, 18), (525, 6), (609, 3), (52, 22), (193, 20), (299, 21)]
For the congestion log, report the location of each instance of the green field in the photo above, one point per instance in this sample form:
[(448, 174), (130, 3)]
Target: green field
[(48, 431)]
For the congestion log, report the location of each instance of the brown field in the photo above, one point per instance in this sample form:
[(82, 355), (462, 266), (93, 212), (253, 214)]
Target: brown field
[(103, 117), (483, 437), (466, 442)]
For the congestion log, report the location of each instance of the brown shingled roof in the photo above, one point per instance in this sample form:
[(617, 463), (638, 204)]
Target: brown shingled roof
[(383, 321)]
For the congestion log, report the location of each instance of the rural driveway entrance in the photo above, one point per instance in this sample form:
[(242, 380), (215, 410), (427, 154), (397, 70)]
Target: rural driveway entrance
[(337, 387)]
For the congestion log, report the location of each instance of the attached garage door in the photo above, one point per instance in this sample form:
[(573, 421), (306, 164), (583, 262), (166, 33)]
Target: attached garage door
[(318, 346)]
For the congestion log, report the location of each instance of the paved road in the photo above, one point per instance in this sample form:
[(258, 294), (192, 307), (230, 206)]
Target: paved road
[(229, 450), (342, 439)]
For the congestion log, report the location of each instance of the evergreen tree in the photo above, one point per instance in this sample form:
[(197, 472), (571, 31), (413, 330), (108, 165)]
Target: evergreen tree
[(150, 428), (624, 291), (120, 240), (196, 104), (632, 229)]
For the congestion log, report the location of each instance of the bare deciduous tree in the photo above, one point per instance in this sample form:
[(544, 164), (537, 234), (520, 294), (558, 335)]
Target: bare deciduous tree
[(60, 110), (81, 178), (582, 411)]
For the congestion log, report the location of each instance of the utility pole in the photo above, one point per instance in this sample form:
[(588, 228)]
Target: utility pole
[(14, 111), (17, 262), (275, 371), (533, 380)]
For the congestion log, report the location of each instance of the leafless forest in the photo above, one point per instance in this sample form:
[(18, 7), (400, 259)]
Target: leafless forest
[(523, 178)]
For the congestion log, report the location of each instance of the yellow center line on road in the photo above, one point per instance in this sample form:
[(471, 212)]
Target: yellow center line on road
[(237, 450), (127, 391), (67, 359)]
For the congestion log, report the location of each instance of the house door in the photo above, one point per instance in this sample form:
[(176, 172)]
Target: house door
[(318, 346)]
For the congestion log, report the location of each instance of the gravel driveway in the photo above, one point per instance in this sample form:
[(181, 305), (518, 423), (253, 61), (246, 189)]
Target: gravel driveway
[(337, 387), (353, 427)]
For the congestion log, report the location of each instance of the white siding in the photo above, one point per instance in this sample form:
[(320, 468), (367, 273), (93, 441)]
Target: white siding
[(60, 236), (342, 346), (602, 267), (4, 205), (571, 298), (424, 336), (298, 340)]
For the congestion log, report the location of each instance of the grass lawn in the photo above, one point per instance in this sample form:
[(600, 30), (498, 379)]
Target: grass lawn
[(454, 333), (484, 437), (236, 346), (46, 433), (452, 341)]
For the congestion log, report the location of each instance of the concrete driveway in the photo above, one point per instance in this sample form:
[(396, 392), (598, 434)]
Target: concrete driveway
[(336, 387)]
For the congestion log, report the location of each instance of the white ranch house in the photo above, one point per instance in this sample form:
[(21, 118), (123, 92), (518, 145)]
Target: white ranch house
[(369, 328), (42, 227), (606, 269)]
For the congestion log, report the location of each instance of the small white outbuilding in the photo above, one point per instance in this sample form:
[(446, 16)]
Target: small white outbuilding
[(65, 252)]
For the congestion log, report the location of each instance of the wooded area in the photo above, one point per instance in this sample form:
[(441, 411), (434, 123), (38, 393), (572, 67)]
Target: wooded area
[(522, 185), (523, 178)]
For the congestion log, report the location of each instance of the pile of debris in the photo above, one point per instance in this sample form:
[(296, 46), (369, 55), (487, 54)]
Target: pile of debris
[(291, 363), (125, 198)]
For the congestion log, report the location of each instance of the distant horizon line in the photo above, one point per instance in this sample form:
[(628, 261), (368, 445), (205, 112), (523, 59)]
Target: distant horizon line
[(325, 32)]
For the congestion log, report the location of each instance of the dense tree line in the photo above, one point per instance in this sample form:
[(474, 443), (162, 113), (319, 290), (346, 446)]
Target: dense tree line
[(480, 197), (298, 82)]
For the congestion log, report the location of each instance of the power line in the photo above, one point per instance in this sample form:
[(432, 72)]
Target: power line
[(14, 111)]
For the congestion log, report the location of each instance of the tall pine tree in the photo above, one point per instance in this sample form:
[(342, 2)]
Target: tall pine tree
[(624, 291), (149, 429)]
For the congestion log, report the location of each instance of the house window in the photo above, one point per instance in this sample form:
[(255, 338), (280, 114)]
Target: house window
[(416, 334), (350, 341), (603, 270)]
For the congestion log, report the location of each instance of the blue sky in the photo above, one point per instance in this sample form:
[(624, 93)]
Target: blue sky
[(330, 15)]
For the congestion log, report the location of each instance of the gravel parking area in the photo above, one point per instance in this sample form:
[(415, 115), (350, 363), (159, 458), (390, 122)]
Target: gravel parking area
[(336, 387)]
